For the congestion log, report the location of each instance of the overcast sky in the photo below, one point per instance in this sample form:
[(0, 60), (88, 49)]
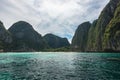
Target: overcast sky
[(60, 17)]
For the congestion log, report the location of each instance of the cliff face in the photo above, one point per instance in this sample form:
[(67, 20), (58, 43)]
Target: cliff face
[(26, 38), (4, 34), (5, 37), (91, 37), (112, 33), (22, 37), (104, 19), (79, 41), (54, 41), (104, 33)]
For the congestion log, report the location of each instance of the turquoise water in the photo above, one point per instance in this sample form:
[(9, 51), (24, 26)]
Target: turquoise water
[(59, 66)]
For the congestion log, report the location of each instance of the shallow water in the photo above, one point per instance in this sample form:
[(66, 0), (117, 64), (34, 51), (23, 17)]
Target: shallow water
[(59, 66)]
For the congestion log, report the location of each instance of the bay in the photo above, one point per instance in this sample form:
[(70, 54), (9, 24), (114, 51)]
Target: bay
[(59, 66)]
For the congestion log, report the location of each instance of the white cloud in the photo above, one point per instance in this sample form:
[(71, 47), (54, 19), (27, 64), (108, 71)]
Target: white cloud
[(60, 17)]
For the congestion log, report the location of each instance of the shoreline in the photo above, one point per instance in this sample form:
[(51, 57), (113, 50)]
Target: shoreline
[(62, 51)]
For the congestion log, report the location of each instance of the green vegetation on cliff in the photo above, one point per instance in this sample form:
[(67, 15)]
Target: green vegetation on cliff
[(91, 37), (112, 33), (103, 20), (104, 33), (64, 49)]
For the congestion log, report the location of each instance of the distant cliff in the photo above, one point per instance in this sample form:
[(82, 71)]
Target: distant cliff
[(21, 37), (54, 41), (5, 38), (25, 38)]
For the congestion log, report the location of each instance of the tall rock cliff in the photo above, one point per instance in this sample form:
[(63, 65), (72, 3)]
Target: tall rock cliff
[(104, 19), (104, 33), (91, 37), (79, 41), (112, 33), (26, 38), (54, 41), (5, 38)]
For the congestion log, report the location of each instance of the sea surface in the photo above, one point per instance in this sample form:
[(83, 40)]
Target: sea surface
[(59, 66)]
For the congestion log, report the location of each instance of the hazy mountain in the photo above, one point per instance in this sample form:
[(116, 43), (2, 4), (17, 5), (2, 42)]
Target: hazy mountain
[(56, 42)]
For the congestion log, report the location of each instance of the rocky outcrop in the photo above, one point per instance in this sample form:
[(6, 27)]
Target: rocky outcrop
[(54, 41), (79, 41), (104, 33), (112, 33), (21, 37), (5, 38), (4, 34), (103, 20), (26, 38), (91, 37)]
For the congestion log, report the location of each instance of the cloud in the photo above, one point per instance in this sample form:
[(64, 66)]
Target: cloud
[(60, 17)]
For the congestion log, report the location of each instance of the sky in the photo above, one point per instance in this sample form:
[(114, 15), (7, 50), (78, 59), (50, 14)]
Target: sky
[(59, 17)]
